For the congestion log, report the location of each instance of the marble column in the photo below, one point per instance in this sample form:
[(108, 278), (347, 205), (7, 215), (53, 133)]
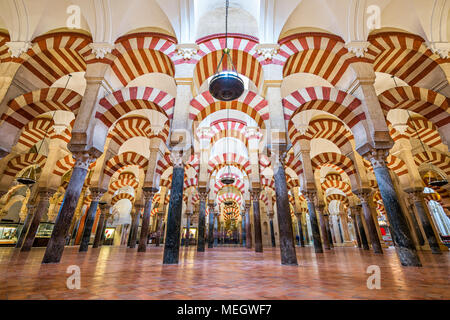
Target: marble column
[(401, 235), (26, 224), (344, 224), (42, 207), (188, 229), (416, 195), (287, 242), (415, 224), (364, 195), (248, 230), (90, 218), (272, 231), (300, 229), (355, 226), (55, 247), (216, 229), (172, 242), (320, 210), (149, 194), (362, 231), (311, 198), (257, 219), (211, 225), (203, 195), (243, 227), (135, 224), (104, 209), (326, 218)]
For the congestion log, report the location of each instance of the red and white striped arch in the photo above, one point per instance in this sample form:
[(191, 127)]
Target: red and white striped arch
[(249, 103), (4, 38), (294, 163), (404, 55), (237, 184), (119, 103), (16, 164), (234, 129), (121, 196), (336, 102), (123, 182), (263, 197), (341, 185), (35, 131), (55, 55), (28, 106), (194, 162), (440, 160), (124, 159), (393, 163), (163, 164), (339, 160), (292, 183), (395, 134), (339, 197), (431, 105), (191, 182), (426, 131), (244, 63), (328, 129), (266, 182), (142, 53), (232, 159), (130, 127), (333, 177), (229, 197), (317, 53)]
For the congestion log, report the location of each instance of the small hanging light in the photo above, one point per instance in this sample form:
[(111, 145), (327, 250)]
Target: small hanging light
[(28, 177), (226, 85)]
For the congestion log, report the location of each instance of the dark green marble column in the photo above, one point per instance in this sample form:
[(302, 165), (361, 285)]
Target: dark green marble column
[(135, 225), (401, 235), (243, 227), (203, 194), (416, 195), (363, 195), (362, 231), (211, 225), (300, 229), (149, 194), (188, 229), (42, 207), (327, 226), (172, 242), (248, 230), (257, 219), (96, 194), (321, 212), (311, 198), (355, 227), (55, 246)]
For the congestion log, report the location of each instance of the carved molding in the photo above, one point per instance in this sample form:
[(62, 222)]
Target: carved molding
[(377, 157), (97, 193), (187, 51), (358, 47), (310, 195), (17, 48), (363, 194), (254, 194), (101, 49), (267, 51), (440, 48)]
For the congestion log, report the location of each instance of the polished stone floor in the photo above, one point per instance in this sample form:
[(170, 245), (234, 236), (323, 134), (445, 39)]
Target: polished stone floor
[(220, 273)]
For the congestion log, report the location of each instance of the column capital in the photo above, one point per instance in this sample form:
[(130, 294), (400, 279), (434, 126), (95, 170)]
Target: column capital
[(363, 194), (415, 193), (104, 208), (178, 157), (203, 194), (310, 195), (97, 193), (149, 193), (270, 215), (45, 194), (377, 157), (254, 194), (83, 159)]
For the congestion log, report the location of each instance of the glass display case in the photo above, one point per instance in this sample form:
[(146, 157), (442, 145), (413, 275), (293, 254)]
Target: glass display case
[(9, 233), (43, 234)]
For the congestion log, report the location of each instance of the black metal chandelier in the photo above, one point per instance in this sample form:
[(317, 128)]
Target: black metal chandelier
[(226, 85)]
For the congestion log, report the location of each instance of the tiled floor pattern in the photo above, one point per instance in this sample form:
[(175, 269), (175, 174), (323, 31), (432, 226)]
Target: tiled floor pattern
[(221, 273)]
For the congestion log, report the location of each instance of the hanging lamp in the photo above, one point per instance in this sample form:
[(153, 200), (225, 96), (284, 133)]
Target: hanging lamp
[(431, 176), (226, 85)]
